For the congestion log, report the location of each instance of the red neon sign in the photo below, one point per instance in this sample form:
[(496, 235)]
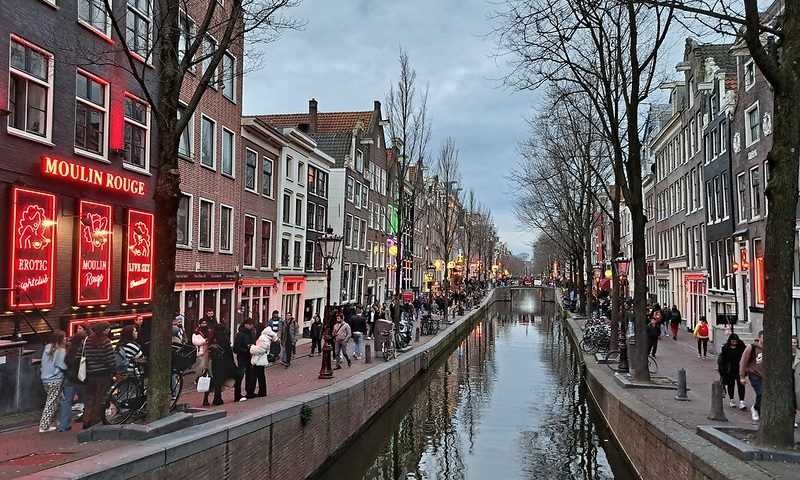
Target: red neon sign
[(139, 264), (33, 248), (91, 176), (94, 254)]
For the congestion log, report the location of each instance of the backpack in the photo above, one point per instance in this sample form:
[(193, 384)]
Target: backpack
[(703, 331), (274, 351), (120, 362)]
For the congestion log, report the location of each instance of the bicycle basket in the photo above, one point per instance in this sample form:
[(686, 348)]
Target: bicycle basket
[(183, 357)]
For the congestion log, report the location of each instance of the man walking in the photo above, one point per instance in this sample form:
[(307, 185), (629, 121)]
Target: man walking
[(241, 347), (341, 335), (358, 327), (316, 336), (751, 367), (288, 335)]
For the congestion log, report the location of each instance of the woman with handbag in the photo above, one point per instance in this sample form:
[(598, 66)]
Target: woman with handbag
[(260, 358), (201, 339), (53, 368), (72, 384), (223, 369), (99, 369)]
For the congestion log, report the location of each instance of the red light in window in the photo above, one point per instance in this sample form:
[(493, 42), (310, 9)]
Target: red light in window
[(139, 257), (33, 248), (94, 228)]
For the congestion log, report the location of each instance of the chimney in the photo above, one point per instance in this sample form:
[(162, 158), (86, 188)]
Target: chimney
[(377, 106), (312, 116)]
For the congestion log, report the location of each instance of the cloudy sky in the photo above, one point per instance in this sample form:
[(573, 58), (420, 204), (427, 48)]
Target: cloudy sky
[(347, 56)]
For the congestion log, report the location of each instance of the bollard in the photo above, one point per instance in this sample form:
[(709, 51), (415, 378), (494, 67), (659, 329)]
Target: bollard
[(717, 413), (416, 335), (682, 386), (368, 353)]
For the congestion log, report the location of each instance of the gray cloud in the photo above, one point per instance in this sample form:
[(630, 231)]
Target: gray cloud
[(347, 57)]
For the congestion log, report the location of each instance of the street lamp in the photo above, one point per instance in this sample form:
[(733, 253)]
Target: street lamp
[(329, 245), (621, 265)]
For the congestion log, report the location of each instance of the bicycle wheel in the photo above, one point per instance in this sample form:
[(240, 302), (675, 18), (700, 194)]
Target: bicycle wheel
[(387, 351), (587, 347), (612, 360), (120, 402), (652, 365), (176, 387)]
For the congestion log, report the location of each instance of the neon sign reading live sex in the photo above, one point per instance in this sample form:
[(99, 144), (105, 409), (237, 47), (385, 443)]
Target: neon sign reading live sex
[(139, 264), (33, 247), (94, 253), (91, 176)]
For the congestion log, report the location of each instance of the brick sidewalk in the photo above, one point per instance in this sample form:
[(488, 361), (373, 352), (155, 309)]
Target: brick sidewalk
[(23, 450)]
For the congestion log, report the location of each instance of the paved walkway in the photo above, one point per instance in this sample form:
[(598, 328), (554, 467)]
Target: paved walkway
[(23, 450)]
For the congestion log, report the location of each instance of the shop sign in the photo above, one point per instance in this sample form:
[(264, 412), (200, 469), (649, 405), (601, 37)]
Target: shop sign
[(94, 253), (139, 258), (87, 175), (33, 248)]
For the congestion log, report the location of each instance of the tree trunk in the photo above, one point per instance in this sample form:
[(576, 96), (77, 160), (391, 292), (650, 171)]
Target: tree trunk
[(615, 250), (777, 408)]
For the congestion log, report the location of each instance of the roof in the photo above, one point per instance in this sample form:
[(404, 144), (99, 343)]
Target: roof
[(337, 145), (720, 52), (327, 122)]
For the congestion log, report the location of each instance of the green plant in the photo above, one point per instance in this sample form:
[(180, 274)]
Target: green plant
[(305, 414)]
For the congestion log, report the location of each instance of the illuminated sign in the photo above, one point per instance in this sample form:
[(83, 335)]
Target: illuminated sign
[(139, 258), (91, 176), (94, 253), (33, 249)]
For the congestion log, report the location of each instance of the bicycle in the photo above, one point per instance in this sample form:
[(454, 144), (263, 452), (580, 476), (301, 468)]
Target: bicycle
[(389, 344), (429, 326), (612, 361)]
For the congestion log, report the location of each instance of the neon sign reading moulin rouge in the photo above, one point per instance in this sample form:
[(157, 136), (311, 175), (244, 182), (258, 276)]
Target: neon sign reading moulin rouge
[(94, 253), (91, 176), (33, 251), (139, 265)]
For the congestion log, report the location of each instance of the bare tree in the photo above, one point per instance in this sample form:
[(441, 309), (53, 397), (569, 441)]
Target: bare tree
[(470, 231), (177, 45), (445, 190)]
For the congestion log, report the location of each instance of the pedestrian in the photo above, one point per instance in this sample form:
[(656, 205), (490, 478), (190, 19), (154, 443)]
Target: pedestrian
[(72, 384), (666, 319), (751, 368), (653, 332), (341, 335), (316, 336), (702, 332), (675, 322), (288, 334), (210, 319), (129, 355), (260, 359), (201, 338), (730, 356), (178, 322), (53, 367), (100, 367), (223, 368), (241, 347), (358, 329), (143, 332)]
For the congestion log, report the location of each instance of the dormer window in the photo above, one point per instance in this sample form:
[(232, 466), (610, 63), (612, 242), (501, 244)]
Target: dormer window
[(749, 74)]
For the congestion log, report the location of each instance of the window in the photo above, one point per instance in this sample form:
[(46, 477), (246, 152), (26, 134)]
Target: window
[(266, 177), (309, 255), (741, 197), (725, 207), (749, 74), (311, 182), (348, 226), (755, 192), (250, 162), (289, 164), (209, 47), (249, 241), (206, 224), (187, 136), (208, 143), (357, 195), (758, 274), (287, 207), (345, 281), (284, 252), (137, 133), (752, 119), (137, 26), (322, 184), (229, 77), (310, 217), (363, 234), (228, 148), (186, 26), (356, 235), (364, 197), (321, 220), (349, 188), (92, 13), (266, 243), (298, 211), (90, 114), (764, 188), (301, 173), (359, 161), (184, 226), (225, 229), (297, 254), (30, 90), (717, 207)]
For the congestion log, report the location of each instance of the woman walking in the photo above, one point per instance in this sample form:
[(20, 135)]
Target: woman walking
[(223, 368), (260, 358), (72, 384), (316, 336), (100, 368), (53, 367), (702, 332), (675, 321), (728, 365)]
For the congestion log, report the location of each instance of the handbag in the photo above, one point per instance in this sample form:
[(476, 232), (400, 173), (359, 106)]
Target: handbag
[(204, 383), (82, 364)]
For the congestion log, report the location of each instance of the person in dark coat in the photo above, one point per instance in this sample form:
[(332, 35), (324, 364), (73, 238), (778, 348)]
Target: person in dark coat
[(316, 335), (728, 365), (241, 347), (100, 366), (675, 321), (653, 332), (666, 316), (222, 366)]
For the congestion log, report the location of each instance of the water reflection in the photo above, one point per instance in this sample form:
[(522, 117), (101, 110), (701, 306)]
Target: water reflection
[(507, 403)]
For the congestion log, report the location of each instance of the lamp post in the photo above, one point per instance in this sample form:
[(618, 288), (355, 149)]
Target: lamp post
[(622, 264), (329, 246)]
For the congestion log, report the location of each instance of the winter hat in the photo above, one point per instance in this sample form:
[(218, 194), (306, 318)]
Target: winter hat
[(100, 327)]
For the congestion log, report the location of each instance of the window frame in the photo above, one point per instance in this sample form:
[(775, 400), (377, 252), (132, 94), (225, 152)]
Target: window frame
[(149, 18), (252, 259), (212, 167), (268, 266), (755, 196), (741, 196), (147, 129), (212, 218), (247, 152), (190, 135), (234, 61), (223, 207), (24, 133), (286, 211), (748, 127), (105, 34), (205, 63), (232, 173), (103, 157), (189, 223), (749, 63), (298, 210), (264, 161)]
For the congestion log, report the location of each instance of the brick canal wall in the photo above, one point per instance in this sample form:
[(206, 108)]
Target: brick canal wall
[(272, 442), (657, 446)]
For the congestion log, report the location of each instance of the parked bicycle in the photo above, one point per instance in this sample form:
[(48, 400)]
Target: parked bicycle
[(389, 343), (612, 360), (429, 325), (596, 338)]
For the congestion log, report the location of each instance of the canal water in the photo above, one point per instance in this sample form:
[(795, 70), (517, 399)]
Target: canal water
[(507, 403)]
